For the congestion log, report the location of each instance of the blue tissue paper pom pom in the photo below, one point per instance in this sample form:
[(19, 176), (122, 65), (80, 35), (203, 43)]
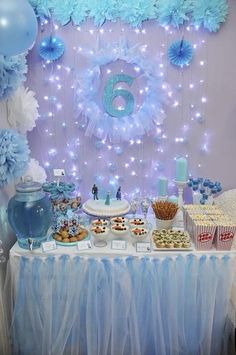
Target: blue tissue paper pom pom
[(12, 74), (51, 48), (14, 155), (219, 188), (200, 180), (180, 53), (195, 188), (195, 182), (190, 184), (211, 185), (202, 190), (205, 196), (214, 190)]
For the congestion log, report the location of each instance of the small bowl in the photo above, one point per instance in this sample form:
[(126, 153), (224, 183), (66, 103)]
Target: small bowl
[(100, 222), (100, 235), (137, 222), (139, 233), (119, 229), (119, 220)]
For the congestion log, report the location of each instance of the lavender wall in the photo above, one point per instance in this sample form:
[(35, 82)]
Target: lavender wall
[(208, 141)]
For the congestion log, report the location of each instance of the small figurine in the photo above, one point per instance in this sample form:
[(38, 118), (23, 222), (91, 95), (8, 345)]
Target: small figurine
[(95, 192), (108, 200), (118, 194)]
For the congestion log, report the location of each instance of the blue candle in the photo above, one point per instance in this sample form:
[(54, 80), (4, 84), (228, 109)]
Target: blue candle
[(162, 186), (181, 169)]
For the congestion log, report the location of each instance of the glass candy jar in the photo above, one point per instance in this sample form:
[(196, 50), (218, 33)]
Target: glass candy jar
[(29, 214)]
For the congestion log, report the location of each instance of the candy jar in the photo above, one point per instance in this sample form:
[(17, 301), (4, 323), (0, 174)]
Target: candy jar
[(29, 214)]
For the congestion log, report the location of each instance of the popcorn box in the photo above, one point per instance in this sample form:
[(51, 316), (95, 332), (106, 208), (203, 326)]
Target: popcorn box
[(203, 234), (225, 235)]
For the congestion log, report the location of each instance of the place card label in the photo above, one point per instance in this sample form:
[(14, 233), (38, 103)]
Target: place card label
[(59, 172), (143, 247), (84, 245), (49, 246), (118, 244)]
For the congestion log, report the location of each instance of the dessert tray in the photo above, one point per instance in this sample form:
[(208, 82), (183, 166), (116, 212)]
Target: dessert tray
[(171, 240), (84, 235)]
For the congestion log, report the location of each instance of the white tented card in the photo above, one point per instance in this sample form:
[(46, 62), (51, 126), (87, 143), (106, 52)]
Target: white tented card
[(49, 246), (143, 247), (84, 245), (118, 244), (59, 172)]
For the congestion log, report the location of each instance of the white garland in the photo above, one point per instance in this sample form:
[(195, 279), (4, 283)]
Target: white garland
[(23, 110), (98, 122)]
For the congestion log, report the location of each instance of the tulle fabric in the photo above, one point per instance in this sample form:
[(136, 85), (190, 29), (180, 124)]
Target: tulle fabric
[(71, 305)]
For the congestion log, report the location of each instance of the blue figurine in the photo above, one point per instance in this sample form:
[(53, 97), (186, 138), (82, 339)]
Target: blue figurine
[(95, 192), (108, 199), (118, 194)]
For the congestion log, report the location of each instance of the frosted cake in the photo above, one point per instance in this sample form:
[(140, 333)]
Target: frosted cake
[(98, 208)]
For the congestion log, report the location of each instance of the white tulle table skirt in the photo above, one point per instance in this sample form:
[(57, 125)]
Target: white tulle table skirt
[(71, 303)]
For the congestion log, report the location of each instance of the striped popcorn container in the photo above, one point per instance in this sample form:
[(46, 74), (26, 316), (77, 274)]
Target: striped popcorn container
[(203, 235), (224, 236)]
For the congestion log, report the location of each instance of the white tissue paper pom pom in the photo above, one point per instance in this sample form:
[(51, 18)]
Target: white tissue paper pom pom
[(36, 171), (23, 110)]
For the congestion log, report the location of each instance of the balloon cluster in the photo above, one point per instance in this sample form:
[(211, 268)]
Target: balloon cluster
[(205, 187)]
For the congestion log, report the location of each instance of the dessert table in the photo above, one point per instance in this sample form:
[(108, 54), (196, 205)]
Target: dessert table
[(104, 301)]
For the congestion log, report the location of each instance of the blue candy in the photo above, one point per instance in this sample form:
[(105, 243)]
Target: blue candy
[(206, 183)]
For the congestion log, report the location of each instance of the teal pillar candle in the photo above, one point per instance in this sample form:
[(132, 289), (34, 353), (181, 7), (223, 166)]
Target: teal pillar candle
[(162, 186), (181, 169), (173, 199)]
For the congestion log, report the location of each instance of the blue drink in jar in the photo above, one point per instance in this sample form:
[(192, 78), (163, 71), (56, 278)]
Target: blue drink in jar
[(29, 214)]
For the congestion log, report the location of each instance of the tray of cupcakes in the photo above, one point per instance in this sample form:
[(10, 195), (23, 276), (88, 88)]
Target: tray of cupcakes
[(171, 240), (68, 231)]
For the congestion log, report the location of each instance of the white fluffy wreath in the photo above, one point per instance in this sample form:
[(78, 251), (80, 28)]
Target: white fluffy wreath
[(23, 110)]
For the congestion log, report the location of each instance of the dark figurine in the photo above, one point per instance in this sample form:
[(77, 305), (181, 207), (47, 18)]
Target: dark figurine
[(118, 194), (95, 192)]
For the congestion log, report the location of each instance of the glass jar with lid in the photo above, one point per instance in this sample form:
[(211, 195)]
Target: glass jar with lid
[(29, 214)]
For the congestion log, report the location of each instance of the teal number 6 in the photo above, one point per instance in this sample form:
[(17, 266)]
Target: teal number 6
[(110, 94)]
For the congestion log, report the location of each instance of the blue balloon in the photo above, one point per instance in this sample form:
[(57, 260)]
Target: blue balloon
[(18, 27), (202, 190), (205, 196)]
